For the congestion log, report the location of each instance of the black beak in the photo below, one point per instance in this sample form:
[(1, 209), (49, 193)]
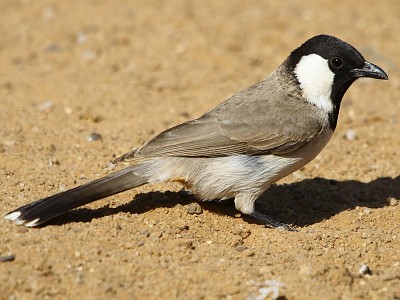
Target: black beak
[(372, 71)]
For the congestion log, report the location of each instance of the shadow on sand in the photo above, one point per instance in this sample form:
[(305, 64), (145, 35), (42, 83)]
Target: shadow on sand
[(301, 203)]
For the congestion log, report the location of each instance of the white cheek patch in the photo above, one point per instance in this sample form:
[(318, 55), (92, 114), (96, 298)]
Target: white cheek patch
[(316, 79)]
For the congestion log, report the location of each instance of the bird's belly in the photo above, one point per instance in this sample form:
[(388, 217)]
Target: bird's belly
[(225, 177)]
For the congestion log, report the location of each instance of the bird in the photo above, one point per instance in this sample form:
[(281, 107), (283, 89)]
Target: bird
[(243, 145)]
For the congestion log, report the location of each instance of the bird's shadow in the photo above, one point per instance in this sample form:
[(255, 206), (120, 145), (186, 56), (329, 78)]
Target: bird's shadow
[(301, 203)]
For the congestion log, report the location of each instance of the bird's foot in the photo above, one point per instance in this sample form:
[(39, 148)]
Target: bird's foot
[(269, 221)]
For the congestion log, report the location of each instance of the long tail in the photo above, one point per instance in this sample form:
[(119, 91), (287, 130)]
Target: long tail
[(41, 211)]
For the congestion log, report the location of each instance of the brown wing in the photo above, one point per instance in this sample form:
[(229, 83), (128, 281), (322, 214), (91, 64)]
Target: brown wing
[(256, 121)]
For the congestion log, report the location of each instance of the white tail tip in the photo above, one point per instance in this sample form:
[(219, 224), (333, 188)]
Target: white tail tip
[(12, 216), (32, 223), (15, 217)]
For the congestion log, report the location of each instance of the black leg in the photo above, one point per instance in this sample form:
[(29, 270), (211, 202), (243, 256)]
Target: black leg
[(271, 221)]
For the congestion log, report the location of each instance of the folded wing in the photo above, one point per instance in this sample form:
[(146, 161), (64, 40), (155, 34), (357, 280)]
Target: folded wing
[(259, 120)]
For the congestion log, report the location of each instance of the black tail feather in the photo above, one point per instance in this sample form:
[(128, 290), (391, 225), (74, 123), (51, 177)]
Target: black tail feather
[(40, 211)]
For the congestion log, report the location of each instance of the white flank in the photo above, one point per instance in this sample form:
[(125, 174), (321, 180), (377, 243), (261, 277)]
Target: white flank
[(13, 216), (316, 79)]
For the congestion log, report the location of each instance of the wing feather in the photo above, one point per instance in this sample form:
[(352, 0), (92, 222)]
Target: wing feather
[(258, 120)]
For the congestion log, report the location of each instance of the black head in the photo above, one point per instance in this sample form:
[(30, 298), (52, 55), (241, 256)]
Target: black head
[(334, 66)]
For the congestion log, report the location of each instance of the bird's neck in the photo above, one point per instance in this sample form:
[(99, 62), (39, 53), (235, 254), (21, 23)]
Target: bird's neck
[(289, 84), (286, 82)]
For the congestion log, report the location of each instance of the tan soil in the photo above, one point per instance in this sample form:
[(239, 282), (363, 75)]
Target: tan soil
[(129, 69)]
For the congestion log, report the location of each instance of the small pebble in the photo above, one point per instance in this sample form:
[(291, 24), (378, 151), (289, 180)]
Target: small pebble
[(350, 135), (45, 106), (364, 271), (53, 48), (186, 244), (241, 248), (392, 201), (367, 211), (110, 166), (244, 233), (53, 162), (145, 233), (269, 289), (94, 137), (7, 258), (194, 209)]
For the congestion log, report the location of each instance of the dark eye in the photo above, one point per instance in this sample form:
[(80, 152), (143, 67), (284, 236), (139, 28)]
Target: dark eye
[(336, 62)]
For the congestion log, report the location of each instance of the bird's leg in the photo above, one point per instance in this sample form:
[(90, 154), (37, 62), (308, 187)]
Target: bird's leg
[(245, 203)]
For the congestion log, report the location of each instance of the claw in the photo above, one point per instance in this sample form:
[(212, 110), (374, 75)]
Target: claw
[(269, 221)]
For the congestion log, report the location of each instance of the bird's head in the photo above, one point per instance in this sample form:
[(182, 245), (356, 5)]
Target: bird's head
[(325, 67)]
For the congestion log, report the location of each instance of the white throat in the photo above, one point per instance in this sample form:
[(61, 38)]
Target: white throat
[(316, 79)]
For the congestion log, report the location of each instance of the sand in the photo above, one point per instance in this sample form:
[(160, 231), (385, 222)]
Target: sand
[(82, 82)]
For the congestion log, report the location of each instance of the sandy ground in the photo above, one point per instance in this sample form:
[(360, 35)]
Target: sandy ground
[(129, 69)]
